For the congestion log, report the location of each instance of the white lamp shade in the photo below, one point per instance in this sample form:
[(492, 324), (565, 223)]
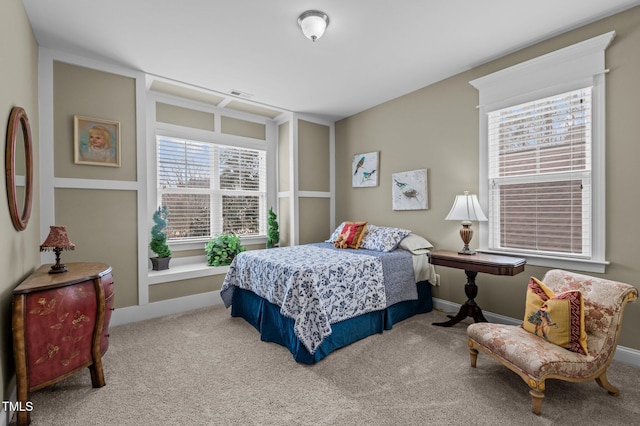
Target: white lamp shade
[(313, 23), (466, 208)]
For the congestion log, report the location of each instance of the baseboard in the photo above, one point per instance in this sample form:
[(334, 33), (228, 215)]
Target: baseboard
[(165, 307), (623, 354)]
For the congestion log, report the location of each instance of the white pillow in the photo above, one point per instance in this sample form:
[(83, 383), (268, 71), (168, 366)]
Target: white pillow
[(415, 244)]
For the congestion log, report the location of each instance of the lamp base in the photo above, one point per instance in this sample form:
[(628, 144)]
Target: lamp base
[(58, 268), (466, 250), (466, 233)]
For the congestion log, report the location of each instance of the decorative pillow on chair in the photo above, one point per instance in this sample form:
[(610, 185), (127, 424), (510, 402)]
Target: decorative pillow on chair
[(352, 234), (557, 318)]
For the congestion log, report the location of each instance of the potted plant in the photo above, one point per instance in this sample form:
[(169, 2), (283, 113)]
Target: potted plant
[(158, 243), (273, 231), (222, 249)]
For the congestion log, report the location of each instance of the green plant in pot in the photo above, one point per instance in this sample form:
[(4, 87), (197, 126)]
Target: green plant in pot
[(222, 249), (273, 231), (158, 243)]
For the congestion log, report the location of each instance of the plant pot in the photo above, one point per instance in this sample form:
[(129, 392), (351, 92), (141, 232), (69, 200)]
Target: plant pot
[(160, 263)]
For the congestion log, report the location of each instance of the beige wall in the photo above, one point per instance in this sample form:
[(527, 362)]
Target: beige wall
[(102, 223), (314, 219), (103, 226), (313, 156), (437, 128), (171, 290), (237, 127), (314, 168), (96, 94), (180, 116), (19, 253), (284, 221)]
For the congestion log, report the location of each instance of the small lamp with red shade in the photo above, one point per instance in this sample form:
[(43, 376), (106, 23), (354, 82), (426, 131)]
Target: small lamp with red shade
[(56, 241)]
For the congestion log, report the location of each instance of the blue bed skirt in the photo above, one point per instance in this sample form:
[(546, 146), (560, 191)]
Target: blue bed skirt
[(274, 327)]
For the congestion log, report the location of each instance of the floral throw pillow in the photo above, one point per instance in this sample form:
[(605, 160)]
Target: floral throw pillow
[(557, 318), (382, 238)]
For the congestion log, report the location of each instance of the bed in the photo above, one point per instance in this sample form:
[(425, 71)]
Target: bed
[(316, 298)]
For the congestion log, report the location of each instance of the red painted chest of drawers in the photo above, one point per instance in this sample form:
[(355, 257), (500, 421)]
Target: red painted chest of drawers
[(60, 326)]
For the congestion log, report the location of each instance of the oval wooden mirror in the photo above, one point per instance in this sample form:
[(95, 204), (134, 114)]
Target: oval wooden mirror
[(19, 168)]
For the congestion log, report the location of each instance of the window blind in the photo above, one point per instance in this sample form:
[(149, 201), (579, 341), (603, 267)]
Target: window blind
[(540, 175), (209, 188), (242, 190)]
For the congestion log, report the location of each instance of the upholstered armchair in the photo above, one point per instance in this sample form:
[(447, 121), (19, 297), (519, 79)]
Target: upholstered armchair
[(536, 359)]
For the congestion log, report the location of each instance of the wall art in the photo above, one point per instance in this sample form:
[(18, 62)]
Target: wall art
[(409, 190), (364, 168), (96, 141)]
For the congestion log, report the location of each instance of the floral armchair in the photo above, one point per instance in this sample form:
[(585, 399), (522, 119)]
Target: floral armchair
[(535, 359)]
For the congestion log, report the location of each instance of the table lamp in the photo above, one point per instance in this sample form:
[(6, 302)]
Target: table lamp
[(466, 208), (56, 241)]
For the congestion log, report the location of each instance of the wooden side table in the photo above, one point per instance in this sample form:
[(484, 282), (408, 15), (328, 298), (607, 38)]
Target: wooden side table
[(472, 264), (60, 324)]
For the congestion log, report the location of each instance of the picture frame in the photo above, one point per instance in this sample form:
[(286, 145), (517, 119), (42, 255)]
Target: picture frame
[(409, 190), (364, 168), (96, 141)]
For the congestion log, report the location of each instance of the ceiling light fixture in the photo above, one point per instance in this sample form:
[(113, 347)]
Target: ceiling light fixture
[(313, 23)]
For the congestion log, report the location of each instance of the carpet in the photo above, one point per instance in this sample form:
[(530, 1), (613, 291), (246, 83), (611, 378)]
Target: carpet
[(206, 368)]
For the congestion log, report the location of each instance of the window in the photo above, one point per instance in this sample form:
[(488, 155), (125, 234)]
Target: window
[(209, 188), (540, 175), (542, 158)]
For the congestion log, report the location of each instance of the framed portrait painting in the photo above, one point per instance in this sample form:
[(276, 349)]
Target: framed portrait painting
[(409, 190), (364, 169), (96, 141)]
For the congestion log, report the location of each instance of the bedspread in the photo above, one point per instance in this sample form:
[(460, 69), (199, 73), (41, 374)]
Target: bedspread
[(313, 284)]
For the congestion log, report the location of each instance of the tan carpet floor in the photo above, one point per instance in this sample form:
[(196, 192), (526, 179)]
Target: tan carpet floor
[(206, 368)]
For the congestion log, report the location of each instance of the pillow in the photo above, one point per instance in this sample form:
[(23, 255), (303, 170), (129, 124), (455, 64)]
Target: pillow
[(557, 318), (352, 234), (336, 232), (381, 238), (415, 244)]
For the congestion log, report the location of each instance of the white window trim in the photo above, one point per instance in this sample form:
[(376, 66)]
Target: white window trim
[(570, 68), (186, 134), (188, 267)]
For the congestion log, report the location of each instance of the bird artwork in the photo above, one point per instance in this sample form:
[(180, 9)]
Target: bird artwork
[(410, 193), (409, 190), (360, 164), (365, 169), (367, 175), (400, 185)]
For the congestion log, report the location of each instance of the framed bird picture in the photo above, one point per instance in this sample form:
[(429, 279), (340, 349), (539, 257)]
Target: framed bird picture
[(409, 190), (364, 169)]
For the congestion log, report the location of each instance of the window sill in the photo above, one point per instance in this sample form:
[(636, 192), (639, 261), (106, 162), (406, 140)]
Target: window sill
[(200, 243), (185, 268), (583, 265)]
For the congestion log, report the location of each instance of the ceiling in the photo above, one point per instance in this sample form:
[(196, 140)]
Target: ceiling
[(372, 51)]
